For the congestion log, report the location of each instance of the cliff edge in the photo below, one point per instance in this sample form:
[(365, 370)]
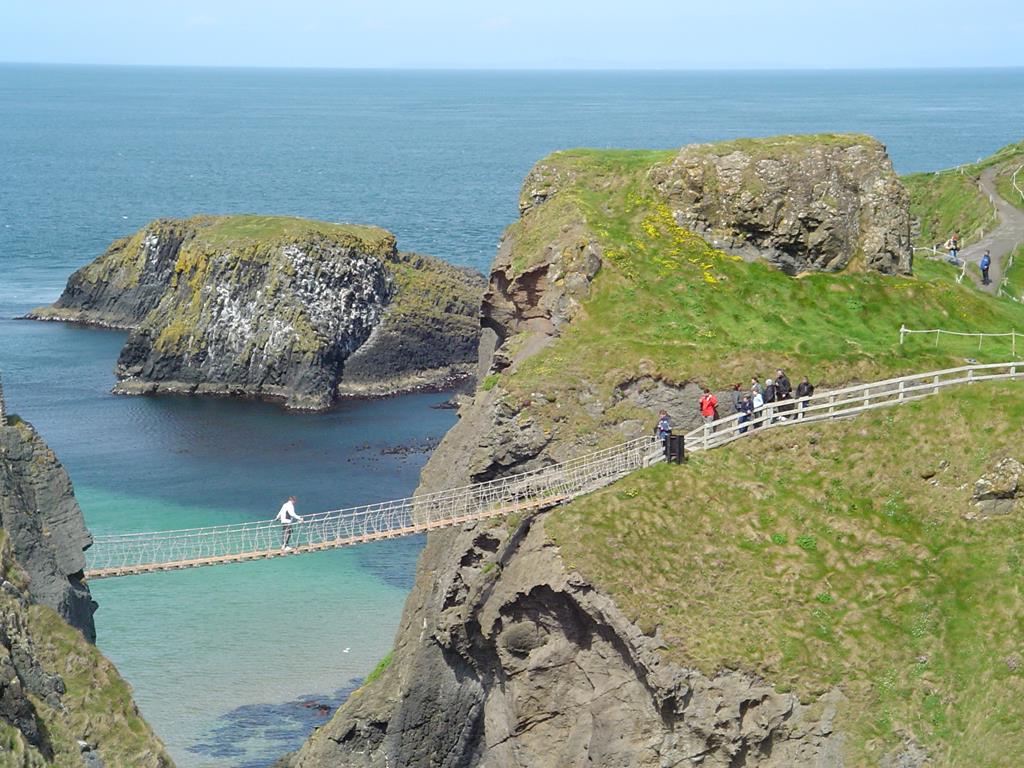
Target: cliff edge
[(62, 704), (278, 308)]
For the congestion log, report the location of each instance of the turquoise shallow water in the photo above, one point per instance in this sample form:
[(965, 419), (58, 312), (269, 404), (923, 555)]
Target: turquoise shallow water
[(221, 658)]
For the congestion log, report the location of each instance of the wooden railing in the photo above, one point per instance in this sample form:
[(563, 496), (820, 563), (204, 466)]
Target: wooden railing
[(849, 401)]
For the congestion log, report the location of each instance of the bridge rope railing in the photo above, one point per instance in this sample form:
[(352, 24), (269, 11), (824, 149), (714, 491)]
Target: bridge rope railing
[(846, 402), (120, 554)]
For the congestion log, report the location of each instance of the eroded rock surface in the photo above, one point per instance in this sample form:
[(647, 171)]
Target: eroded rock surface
[(44, 525), (801, 202), (284, 309), (998, 491), (511, 660)]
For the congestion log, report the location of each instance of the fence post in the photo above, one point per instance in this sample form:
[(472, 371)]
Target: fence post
[(936, 382), (901, 390), (903, 332), (831, 404), (1013, 342), (981, 338), (937, 337)]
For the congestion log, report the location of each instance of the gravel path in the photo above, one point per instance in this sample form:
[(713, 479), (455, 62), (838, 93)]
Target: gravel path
[(1001, 240)]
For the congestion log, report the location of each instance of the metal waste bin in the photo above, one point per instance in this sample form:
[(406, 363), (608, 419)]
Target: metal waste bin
[(675, 450)]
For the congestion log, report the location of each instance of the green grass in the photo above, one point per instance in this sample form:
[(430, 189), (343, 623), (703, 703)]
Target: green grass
[(1004, 183), (780, 146), (949, 202), (667, 305), (97, 701), (1015, 274), (821, 556), (379, 670), (239, 229)]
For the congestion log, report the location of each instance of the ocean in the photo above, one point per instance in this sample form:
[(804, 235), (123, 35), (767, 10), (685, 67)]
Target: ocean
[(226, 661)]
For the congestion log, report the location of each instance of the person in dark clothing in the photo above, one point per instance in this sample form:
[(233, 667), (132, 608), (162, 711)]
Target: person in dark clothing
[(783, 391), (986, 262), (737, 397), (746, 412), (804, 390), (769, 396)]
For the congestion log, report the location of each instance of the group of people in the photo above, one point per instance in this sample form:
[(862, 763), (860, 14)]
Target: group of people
[(775, 399), (777, 390), (953, 247)]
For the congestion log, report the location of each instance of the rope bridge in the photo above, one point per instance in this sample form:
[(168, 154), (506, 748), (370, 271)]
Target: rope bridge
[(133, 553)]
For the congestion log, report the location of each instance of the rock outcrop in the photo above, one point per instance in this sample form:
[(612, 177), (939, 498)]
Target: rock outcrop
[(801, 202), (44, 525), (277, 308), (62, 704)]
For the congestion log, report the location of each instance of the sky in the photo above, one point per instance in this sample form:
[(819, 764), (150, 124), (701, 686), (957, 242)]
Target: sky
[(478, 34)]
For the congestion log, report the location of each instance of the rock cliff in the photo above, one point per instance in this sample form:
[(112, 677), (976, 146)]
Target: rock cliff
[(602, 307), (801, 202), (277, 308), (61, 703)]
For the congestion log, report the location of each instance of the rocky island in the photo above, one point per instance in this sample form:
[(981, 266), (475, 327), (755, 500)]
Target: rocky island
[(62, 704), (796, 601), (277, 308)]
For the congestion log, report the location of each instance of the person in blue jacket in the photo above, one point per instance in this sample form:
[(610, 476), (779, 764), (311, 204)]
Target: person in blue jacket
[(986, 262), (664, 428)]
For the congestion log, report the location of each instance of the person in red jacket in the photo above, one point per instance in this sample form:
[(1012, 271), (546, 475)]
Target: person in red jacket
[(708, 406)]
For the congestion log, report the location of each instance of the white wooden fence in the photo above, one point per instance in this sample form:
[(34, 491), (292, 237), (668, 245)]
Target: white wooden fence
[(840, 403)]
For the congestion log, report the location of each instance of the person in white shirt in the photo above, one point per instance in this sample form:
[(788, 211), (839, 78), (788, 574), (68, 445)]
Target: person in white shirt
[(286, 517)]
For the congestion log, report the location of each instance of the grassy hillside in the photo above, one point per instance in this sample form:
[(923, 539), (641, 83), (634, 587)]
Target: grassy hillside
[(836, 555), (666, 304)]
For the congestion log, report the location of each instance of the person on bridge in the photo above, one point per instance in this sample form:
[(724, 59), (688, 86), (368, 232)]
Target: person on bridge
[(286, 517), (746, 412), (986, 262), (708, 407)]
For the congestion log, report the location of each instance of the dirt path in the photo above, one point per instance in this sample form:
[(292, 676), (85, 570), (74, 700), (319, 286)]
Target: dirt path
[(1001, 240)]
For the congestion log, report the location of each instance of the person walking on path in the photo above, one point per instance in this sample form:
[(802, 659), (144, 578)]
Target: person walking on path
[(804, 390), (287, 517), (708, 407), (953, 246), (664, 427), (985, 263)]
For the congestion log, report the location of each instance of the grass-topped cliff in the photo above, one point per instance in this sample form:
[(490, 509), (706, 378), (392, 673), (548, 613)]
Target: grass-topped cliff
[(666, 305), (836, 556), (275, 307)]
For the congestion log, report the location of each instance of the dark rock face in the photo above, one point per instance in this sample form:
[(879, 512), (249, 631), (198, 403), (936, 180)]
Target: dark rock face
[(510, 661), (44, 525), (277, 308), (801, 202)]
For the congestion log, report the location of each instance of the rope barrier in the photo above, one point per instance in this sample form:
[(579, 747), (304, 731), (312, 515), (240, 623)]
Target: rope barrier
[(1012, 335)]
